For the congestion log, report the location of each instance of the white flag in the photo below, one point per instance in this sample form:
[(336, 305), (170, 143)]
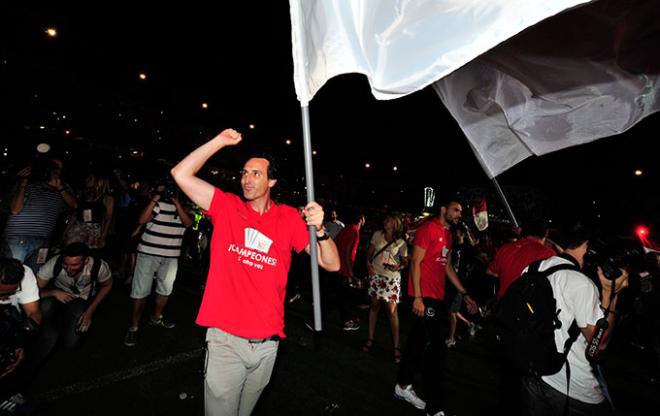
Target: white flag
[(527, 96), (590, 73), (402, 46)]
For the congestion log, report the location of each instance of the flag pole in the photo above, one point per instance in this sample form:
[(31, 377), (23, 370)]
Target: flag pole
[(309, 183), (300, 71), (504, 201), (493, 179)]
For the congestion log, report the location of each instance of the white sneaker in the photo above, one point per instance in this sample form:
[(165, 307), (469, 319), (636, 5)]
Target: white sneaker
[(11, 403), (450, 343), (472, 330), (351, 326), (440, 413), (409, 395)]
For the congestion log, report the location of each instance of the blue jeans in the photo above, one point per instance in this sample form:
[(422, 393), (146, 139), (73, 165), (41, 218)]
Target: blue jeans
[(24, 249)]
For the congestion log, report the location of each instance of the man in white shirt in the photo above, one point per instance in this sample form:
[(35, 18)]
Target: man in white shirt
[(578, 298), (18, 288)]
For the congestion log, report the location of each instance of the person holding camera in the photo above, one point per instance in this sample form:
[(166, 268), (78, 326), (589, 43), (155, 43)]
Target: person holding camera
[(578, 299), (20, 317), (165, 221), (35, 206), (243, 302), (425, 350)]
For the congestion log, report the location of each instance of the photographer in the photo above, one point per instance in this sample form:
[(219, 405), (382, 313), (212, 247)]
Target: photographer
[(18, 293), (165, 221), (578, 299), (36, 204)]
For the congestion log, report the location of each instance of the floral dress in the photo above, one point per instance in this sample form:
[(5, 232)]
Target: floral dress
[(386, 284)]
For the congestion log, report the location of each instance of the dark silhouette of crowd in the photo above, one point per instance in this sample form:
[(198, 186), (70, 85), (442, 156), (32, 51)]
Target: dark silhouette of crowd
[(69, 235)]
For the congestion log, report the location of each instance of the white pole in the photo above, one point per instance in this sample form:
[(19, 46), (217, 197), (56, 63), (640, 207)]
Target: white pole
[(301, 73)]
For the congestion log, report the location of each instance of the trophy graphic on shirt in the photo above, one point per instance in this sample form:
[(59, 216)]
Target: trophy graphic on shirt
[(257, 241)]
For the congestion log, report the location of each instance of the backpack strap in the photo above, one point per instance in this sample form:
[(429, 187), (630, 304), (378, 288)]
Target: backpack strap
[(94, 276), (57, 268), (383, 249), (573, 330)]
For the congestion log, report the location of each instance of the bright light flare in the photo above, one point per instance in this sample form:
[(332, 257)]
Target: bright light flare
[(642, 232)]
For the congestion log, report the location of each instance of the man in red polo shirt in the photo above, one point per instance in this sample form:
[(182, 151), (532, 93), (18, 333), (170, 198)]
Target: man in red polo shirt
[(425, 350), (513, 257), (243, 302)]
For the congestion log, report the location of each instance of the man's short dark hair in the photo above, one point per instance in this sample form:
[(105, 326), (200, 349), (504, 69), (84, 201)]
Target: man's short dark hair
[(534, 227), (11, 271), (272, 164), (76, 249), (444, 201), (573, 234), (354, 216)]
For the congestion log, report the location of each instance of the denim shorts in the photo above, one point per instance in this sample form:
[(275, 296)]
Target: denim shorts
[(148, 268)]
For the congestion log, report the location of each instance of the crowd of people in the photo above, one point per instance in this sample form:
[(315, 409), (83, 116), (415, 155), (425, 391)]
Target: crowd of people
[(62, 249)]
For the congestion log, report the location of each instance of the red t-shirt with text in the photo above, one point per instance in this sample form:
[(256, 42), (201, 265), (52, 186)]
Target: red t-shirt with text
[(250, 259), (437, 241), (512, 258)]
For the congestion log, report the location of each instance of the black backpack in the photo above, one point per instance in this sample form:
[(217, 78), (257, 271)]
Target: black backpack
[(525, 320)]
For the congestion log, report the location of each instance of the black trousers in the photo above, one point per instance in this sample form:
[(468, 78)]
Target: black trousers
[(425, 352)]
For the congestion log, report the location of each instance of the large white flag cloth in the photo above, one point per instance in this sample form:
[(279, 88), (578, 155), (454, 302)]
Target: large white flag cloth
[(403, 46), (590, 73)]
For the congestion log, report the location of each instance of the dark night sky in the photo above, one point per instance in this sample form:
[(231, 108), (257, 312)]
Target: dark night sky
[(237, 58)]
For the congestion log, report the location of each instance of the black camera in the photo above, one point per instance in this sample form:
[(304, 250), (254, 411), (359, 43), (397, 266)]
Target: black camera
[(7, 343), (615, 254), (167, 190), (14, 333)]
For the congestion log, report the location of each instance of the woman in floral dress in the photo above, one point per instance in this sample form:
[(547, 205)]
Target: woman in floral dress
[(387, 255)]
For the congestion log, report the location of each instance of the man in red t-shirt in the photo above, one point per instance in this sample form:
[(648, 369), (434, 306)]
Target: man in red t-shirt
[(347, 244), (243, 302), (508, 264), (425, 350), (513, 257)]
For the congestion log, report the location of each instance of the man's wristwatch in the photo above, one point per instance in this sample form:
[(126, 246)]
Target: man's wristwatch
[(324, 237)]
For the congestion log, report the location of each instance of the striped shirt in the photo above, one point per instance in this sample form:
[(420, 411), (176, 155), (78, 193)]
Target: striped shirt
[(163, 235), (42, 208)]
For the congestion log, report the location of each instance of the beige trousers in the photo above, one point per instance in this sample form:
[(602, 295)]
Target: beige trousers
[(236, 373)]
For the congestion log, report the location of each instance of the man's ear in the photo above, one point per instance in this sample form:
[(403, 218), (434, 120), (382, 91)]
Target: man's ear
[(271, 182), (443, 211)]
